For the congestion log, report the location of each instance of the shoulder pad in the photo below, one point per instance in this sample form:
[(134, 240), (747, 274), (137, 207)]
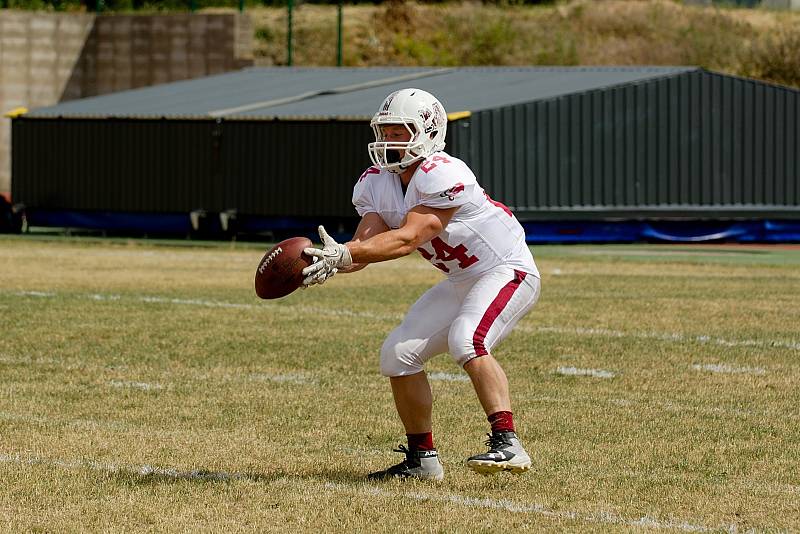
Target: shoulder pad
[(441, 172)]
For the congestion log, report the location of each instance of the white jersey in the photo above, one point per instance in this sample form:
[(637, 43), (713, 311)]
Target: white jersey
[(482, 233)]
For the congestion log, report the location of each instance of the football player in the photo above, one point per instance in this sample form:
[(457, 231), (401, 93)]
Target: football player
[(417, 197)]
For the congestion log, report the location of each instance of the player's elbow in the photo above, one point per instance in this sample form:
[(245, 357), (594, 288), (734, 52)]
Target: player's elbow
[(408, 242), (407, 247), (412, 236)]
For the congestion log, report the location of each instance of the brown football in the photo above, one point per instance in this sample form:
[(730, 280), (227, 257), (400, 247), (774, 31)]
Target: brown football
[(281, 269)]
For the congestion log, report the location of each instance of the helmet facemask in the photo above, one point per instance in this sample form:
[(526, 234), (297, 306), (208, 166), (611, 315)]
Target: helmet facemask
[(386, 154)]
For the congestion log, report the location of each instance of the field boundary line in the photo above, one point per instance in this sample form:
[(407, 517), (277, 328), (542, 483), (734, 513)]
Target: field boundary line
[(575, 371), (581, 331), (666, 405), (533, 508), (728, 369), (660, 336)]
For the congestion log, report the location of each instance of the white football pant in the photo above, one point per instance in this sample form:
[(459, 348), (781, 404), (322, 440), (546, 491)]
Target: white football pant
[(466, 319)]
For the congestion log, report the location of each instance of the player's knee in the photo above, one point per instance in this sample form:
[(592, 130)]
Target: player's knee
[(463, 343), (399, 356)]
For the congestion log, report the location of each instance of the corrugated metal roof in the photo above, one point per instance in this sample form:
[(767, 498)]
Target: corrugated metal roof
[(325, 93)]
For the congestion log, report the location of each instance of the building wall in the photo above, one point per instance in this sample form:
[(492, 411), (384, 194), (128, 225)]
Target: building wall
[(46, 58), (698, 144), (694, 144)]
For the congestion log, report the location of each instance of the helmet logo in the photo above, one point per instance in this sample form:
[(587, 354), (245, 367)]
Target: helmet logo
[(432, 117), (387, 103), (426, 114)]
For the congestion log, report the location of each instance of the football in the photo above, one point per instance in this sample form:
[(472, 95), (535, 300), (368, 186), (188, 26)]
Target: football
[(281, 269)]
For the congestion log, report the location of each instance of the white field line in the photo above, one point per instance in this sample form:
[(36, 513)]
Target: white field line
[(187, 375), (34, 294), (608, 518), (672, 337), (448, 377), (292, 378), (29, 360), (134, 385), (594, 373), (581, 331), (81, 424), (145, 430), (668, 406), (728, 369)]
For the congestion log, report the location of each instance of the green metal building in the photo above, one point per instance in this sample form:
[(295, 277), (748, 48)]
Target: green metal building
[(281, 148)]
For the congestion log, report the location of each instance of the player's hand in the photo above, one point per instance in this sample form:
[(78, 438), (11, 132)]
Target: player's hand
[(332, 257), (318, 277)]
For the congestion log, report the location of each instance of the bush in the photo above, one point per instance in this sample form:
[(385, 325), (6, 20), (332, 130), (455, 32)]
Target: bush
[(776, 57)]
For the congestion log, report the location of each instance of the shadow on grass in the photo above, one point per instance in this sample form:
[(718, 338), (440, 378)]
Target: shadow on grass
[(155, 476)]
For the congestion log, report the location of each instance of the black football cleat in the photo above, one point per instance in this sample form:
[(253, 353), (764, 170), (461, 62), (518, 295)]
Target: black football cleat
[(505, 454), (424, 465)]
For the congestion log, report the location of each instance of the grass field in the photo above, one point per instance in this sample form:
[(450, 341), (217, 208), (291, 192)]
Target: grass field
[(145, 387)]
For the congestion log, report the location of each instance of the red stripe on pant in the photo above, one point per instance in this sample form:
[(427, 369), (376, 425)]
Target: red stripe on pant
[(495, 308)]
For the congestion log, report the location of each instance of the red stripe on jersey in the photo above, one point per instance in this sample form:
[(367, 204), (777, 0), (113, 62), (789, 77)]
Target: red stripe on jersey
[(495, 309)]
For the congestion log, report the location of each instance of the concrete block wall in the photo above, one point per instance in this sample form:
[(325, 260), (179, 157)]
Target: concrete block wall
[(46, 58)]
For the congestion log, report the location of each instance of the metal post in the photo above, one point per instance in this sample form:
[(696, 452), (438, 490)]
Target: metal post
[(339, 35), (241, 6), (289, 6), (192, 5)]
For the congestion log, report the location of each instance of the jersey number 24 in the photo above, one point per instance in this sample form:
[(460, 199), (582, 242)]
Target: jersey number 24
[(445, 252)]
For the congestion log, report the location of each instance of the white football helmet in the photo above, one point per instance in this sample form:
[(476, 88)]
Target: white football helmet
[(422, 115)]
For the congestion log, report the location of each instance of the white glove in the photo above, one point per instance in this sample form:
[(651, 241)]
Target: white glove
[(318, 277), (332, 257)]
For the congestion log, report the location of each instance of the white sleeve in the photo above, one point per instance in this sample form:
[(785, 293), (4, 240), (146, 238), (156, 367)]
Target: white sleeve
[(362, 193), (456, 195)]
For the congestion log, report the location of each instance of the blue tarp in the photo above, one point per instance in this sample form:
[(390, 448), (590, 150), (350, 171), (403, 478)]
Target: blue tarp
[(662, 231), (753, 231)]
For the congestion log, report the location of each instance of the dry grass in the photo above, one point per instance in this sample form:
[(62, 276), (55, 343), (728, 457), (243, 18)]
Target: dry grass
[(146, 388), (746, 42)]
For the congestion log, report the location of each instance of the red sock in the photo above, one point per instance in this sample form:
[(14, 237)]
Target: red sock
[(420, 442), (502, 422)]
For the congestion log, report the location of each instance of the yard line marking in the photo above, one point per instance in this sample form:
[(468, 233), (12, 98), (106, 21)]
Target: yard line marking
[(594, 373), (28, 360), (135, 385), (194, 302), (675, 337), (448, 377), (301, 309), (34, 294), (97, 296), (82, 424), (582, 331), (728, 369), (533, 508), (294, 378), (670, 406)]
